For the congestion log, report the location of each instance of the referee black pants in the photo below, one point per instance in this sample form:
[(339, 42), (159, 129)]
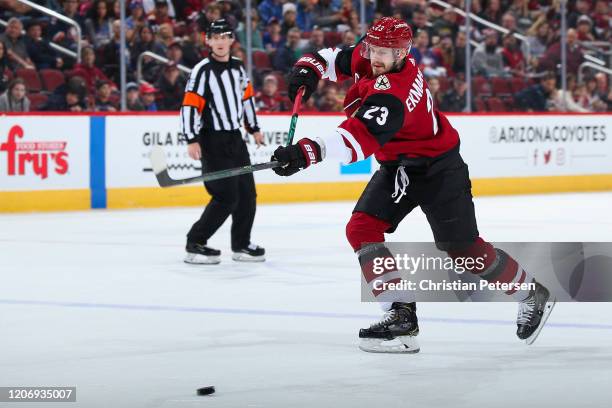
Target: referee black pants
[(233, 196)]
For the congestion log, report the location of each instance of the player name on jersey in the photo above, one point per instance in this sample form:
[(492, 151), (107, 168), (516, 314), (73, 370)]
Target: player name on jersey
[(416, 92)]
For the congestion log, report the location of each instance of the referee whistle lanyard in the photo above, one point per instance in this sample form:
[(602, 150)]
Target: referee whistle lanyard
[(400, 178)]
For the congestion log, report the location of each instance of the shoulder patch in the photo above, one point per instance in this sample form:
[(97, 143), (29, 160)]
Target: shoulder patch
[(382, 83)]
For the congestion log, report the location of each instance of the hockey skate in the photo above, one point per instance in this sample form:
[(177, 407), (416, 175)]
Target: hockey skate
[(200, 254), (252, 253), (533, 313), (395, 333)]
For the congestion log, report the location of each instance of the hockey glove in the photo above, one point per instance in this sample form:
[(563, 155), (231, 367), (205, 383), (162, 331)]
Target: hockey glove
[(306, 72), (296, 157)]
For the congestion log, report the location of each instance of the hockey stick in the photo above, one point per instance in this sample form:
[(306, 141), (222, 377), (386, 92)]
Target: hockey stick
[(160, 167), (294, 115)]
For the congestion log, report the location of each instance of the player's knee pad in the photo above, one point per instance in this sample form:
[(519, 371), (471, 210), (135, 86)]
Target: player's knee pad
[(364, 228)]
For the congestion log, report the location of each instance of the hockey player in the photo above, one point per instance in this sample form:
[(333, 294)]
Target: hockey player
[(218, 97), (391, 115)]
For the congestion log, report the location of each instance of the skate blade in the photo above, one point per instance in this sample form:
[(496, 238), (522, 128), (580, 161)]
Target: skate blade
[(399, 345), (198, 259), (240, 257), (547, 310)]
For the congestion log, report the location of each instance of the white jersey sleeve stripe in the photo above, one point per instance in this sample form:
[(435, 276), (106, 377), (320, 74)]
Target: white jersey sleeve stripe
[(353, 142)]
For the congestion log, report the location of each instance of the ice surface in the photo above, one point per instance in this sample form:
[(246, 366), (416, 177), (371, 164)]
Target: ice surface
[(102, 300)]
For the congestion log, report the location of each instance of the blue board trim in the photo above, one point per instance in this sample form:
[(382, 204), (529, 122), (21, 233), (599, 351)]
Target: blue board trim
[(97, 161)]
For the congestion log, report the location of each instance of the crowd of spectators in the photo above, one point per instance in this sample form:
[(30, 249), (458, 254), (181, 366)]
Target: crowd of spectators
[(509, 74)]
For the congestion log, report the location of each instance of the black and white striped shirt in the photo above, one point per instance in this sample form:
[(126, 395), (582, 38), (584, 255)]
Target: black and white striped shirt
[(217, 97)]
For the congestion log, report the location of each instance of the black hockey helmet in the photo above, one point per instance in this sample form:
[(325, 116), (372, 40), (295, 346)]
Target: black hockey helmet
[(219, 26)]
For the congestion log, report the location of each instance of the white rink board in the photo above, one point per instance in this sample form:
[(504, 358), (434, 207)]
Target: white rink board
[(128, 144), (577, 145), (44, 153), (129, 141), (528, 145)]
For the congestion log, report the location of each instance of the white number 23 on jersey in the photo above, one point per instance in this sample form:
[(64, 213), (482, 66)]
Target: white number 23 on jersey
[(380, 112)]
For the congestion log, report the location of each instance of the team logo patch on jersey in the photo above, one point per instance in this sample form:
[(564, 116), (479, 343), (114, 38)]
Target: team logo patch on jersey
[(382, 83)]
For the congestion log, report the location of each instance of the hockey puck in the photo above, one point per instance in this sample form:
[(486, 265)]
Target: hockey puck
[(206, 390)]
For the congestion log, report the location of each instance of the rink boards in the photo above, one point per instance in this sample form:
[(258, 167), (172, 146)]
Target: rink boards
[(54, 162)]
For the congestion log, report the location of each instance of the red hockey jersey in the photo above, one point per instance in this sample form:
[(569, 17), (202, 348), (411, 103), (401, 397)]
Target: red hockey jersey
[(389, 115)]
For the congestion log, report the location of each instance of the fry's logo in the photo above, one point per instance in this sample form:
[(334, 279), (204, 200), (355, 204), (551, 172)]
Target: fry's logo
[(36, 155)]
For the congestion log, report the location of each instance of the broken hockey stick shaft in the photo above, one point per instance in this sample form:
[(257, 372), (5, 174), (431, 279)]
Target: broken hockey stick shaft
[(160, 167)]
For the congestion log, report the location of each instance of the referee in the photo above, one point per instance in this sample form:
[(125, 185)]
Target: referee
[(218, 97)]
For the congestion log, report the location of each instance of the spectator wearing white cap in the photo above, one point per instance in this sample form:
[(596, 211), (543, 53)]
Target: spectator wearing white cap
[(289, 18)]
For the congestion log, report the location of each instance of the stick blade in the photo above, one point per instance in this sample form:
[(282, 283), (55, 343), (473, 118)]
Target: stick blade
[(158, 160), (160, 167)]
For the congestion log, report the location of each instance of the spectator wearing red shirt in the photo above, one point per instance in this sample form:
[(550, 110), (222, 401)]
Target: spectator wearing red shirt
[(88, 71), (269, 99), (193, 7), (584, 29), (553, 55), (512, 57)]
